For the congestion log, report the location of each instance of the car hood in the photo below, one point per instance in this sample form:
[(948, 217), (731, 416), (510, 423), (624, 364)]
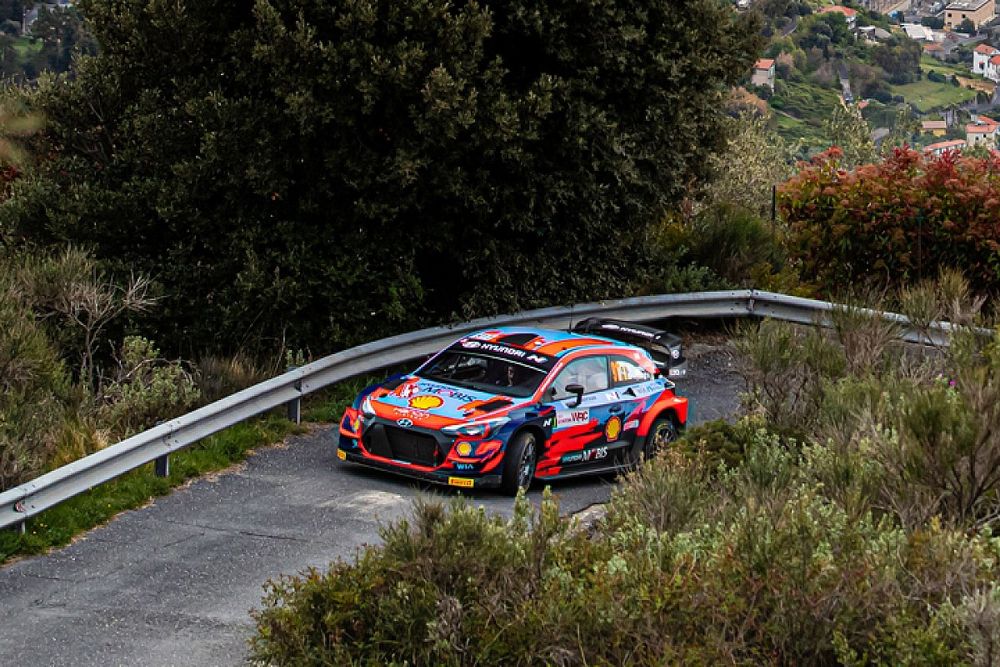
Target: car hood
[(437, 403)]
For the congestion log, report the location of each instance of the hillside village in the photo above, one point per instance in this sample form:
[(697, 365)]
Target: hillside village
[(921, 73)]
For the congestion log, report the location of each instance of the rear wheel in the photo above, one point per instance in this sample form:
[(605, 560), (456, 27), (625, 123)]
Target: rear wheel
[(661, 434), (519, 463)]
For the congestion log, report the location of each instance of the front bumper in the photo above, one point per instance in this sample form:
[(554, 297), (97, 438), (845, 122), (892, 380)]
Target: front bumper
[(457, 480)]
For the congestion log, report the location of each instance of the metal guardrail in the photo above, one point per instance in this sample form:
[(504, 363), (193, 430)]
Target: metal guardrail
[(156, 444)]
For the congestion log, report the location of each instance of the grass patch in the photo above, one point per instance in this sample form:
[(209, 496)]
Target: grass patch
[(57, 526), (929, 64), (806, 101), (793, 130), (927, 95), (27, 47)]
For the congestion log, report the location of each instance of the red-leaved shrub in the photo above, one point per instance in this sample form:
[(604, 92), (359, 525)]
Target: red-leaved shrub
[(901, 219)]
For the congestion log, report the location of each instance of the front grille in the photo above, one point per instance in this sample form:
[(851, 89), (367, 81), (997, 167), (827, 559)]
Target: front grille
[(403, 445)]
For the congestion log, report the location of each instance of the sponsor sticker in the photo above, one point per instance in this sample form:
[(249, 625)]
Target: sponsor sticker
[(504, 350), (426, 402), (464, 466), (341, 454), (407, 390), (463, 482), (613, 429), (447, 392), (645, 389), (571, 417)]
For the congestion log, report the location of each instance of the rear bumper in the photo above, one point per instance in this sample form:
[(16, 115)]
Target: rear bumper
[(457, 480)]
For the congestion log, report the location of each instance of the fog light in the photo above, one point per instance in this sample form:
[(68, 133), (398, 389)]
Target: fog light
[(463, 449)]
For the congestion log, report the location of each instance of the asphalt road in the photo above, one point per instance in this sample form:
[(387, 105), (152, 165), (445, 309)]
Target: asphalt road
[(172, 583)]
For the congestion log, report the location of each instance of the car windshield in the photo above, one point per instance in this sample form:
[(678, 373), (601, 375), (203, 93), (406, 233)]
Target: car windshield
[(483, 373)]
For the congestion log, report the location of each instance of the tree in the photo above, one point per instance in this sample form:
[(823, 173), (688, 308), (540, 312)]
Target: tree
[(62, 31), (967, 26), (900, 58), (755, 160), (850, 132), (320, 174)]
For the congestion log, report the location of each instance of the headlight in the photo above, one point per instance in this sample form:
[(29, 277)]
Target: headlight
[(475, 429), (366, 407)]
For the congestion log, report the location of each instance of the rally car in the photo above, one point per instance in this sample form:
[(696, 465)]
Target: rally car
[(502, 407)]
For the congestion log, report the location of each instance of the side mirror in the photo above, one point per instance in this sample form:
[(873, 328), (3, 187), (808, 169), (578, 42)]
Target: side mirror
[(578, 390)]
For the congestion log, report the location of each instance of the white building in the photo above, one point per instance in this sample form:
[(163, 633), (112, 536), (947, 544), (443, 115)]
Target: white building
[(943, 147), (986, 61), (763, 73), (982, 130)]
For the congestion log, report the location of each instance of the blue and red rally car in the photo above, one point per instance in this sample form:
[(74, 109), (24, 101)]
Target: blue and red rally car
[(502, 407)]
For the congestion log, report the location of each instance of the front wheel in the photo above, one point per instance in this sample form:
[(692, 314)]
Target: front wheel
[(661, 434), (519, 463)]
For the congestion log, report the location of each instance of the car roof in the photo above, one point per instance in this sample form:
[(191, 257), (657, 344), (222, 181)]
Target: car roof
[(546, 341)]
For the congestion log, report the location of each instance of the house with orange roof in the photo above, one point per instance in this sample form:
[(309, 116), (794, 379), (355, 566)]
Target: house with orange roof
[(850, 14), (763, 73), (938, 128), (982, 130), (942, 147), (986, 61)]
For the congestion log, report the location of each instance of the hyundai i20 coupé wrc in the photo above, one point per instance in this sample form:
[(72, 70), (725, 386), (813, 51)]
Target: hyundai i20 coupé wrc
[(503, 407)]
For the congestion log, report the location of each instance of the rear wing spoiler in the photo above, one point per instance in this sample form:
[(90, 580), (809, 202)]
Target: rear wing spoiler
[(665, 348)]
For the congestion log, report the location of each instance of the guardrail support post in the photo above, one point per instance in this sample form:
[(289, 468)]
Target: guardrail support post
[(295, 405), (162, 466), (295, 411)]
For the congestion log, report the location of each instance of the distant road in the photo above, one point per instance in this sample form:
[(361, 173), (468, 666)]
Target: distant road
[(790, 28), (172, 584)]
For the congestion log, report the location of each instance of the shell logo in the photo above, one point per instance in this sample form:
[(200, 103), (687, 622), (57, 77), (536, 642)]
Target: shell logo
[(613, 429), (426, 402)]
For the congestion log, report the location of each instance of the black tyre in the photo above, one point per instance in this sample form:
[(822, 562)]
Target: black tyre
[(661, 434), (519, 463)]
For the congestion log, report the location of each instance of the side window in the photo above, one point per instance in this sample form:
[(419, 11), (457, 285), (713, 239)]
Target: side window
[(591, 373), (625, 371)]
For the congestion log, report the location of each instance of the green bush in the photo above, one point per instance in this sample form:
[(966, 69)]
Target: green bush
[(747, 565), (145, 390), (34, 389)]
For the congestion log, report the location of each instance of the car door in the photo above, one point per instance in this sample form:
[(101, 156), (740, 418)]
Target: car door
[(580, 434), (634, 386)]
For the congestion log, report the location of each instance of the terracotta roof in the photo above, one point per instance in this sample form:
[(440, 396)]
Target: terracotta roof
[(995, 60), (985, 49), (934, 125), (846, 11), (763, 63), (985, 128), (863, 104), (933, 46), (945, 145)]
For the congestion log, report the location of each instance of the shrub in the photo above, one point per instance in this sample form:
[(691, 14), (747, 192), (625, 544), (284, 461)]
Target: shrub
[(895, 221), (145, 389), (218, 377), (34, 388), (786, 370), (719, 442), (756, 565)]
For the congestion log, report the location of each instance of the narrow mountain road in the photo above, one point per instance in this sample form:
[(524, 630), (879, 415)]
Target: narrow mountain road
[(172, 583)]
